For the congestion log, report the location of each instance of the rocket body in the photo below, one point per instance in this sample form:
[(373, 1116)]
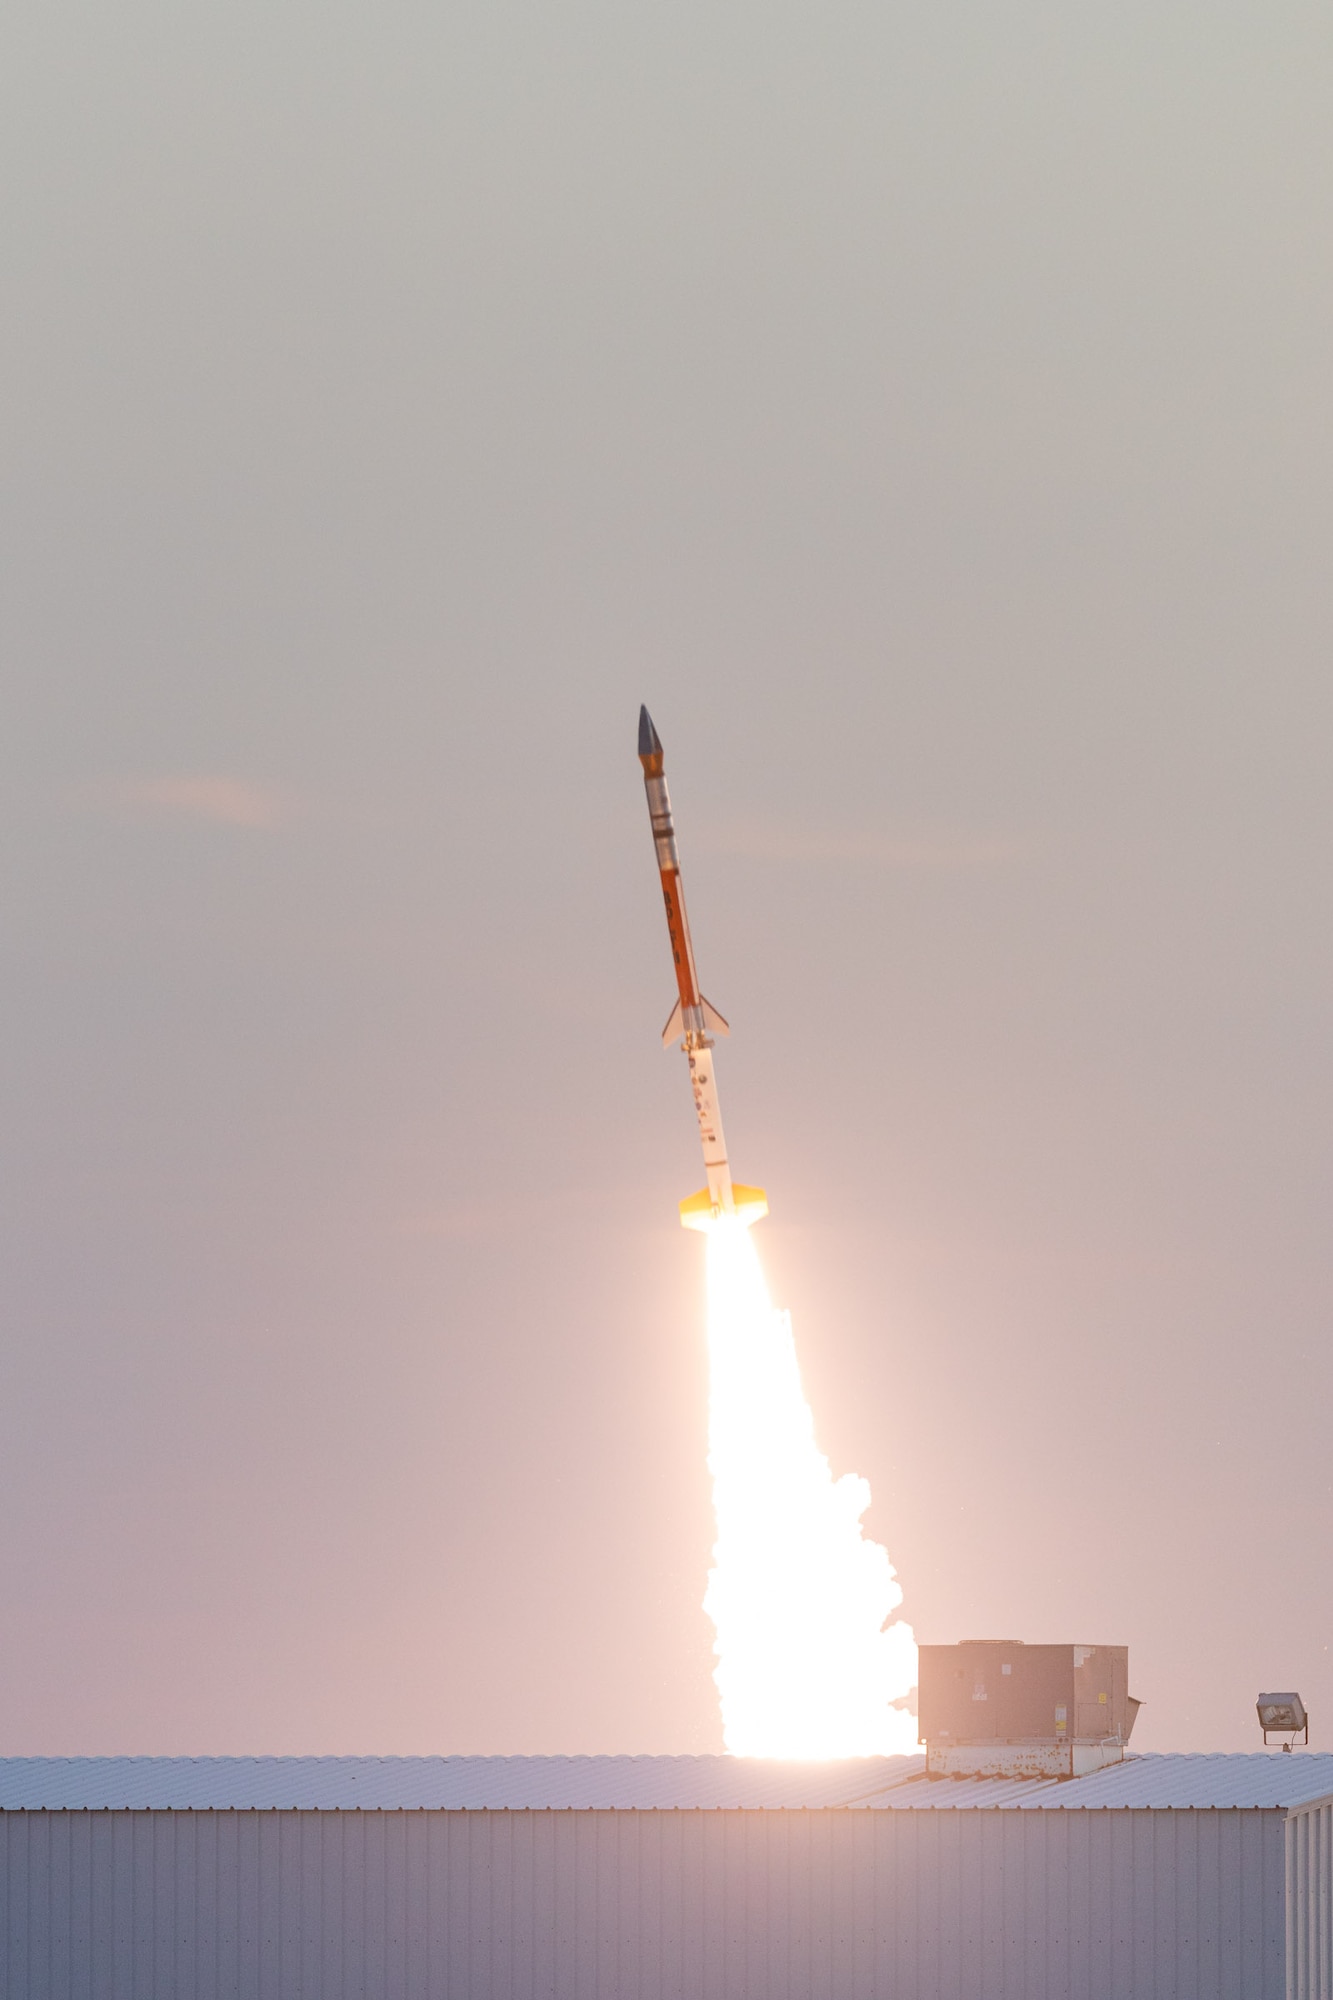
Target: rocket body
[(692, 1017)]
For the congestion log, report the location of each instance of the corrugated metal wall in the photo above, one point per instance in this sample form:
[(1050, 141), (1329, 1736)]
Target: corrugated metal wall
[(941, 1905), (1310, 1903)]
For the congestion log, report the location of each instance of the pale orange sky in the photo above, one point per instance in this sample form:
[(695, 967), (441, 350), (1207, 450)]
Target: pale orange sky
[(926, 411)]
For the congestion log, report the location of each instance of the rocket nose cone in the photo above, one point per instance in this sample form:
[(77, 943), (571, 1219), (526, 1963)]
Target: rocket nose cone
[(650, 744)]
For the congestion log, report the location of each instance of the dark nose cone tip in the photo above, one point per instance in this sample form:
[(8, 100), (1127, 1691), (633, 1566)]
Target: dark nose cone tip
[(650, 743)]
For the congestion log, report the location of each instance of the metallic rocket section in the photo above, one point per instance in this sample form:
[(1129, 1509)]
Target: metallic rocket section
[(693, 1020)]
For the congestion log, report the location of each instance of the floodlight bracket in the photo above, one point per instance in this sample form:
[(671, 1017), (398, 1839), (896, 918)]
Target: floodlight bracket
[(1286, 1715)]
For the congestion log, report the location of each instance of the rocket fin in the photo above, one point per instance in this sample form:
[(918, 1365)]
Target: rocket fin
[(713, 1021), (697, 1211)]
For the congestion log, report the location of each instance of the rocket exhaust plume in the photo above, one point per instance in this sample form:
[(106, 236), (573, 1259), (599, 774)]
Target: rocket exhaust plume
[(807, 1664)]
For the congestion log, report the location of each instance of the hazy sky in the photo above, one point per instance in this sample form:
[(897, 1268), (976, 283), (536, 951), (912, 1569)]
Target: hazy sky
[(928, 412)]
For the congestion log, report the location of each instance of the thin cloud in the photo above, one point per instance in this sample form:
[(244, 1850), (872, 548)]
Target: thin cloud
[(469, 1219), (532, 1211), (945, 848), (223, 801)]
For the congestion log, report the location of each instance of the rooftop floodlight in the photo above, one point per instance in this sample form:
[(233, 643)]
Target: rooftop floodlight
[(1283, 1715)]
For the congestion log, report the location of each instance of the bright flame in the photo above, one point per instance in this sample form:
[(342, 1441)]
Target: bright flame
[(807, 1666)]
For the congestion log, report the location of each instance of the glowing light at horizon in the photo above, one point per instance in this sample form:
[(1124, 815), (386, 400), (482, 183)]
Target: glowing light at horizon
[(807, 1665)]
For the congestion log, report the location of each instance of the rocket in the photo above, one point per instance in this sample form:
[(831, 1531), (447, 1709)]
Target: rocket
[(693, 1019)]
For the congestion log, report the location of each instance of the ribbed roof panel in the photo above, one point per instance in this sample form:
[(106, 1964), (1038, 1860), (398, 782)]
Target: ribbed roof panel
[(1164, 1781), (646, 1784), (437, 1783)]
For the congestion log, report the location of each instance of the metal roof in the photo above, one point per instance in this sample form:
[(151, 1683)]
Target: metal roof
[(1161, 1782), (437, 1783)]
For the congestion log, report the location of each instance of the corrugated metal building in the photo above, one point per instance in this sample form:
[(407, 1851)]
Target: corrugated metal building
[(617, 1877)]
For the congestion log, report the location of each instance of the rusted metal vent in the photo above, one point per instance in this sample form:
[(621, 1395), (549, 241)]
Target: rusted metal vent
[(999, 1708)]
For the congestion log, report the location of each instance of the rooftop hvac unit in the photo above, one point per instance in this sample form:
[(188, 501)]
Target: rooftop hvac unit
[(996, 1708)]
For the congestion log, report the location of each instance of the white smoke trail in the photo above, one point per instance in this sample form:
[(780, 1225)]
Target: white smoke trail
[(807, 1666)]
